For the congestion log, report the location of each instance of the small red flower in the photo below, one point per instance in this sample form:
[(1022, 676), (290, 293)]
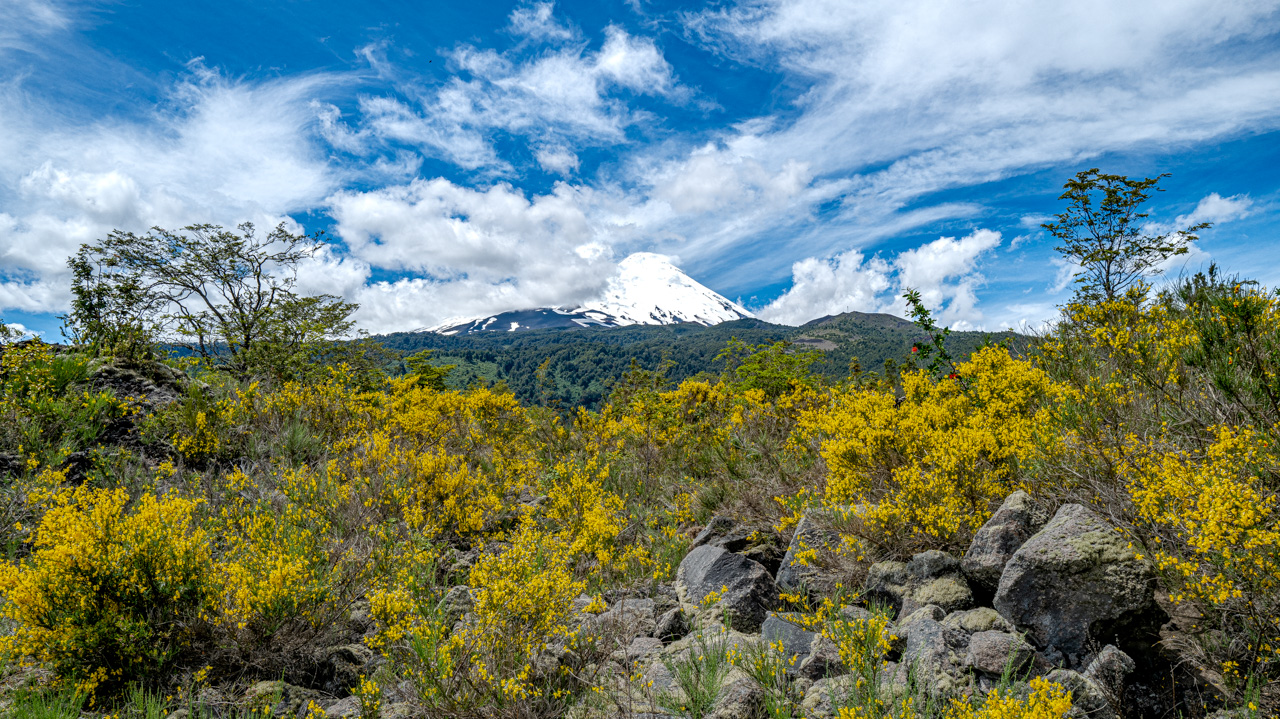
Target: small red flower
[(915, 350)]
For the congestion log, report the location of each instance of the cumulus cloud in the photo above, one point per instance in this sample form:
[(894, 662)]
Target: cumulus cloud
[(848, 282), (944, 271), (553, 99), (557, 159), (20, 330), (1215, 209), (470, 251)]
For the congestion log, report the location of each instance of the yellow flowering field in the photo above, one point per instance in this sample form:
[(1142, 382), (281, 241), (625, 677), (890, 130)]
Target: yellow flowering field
[(243, 525)]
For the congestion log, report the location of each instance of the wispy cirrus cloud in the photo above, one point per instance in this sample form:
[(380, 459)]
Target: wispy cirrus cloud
[(219, 150), (23, 21)]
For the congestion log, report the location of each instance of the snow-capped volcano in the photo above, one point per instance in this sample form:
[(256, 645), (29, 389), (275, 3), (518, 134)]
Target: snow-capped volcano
[(647, 290)]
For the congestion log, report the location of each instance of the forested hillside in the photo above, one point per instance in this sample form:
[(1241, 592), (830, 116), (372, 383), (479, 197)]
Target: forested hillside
[(581, 364)]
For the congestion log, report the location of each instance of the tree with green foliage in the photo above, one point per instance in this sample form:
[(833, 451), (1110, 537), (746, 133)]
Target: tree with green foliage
[(111, 312), (227, 294), (772, 368), (428, 374), (934, 351), (8, 334), (1102, 231)]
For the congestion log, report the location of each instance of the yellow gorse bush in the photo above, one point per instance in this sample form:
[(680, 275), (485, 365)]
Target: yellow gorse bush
[(587, 516), (524, 598), (111, 590), (1046, 701), (1214, 528), (928, 470), (1171, 424)]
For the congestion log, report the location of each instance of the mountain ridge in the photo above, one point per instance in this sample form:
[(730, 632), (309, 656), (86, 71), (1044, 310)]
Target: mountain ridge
[(583, 362)]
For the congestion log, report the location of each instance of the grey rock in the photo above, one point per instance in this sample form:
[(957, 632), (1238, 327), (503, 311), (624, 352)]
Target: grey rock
[(932, 564), (338, 669), (796, 574), (724, 532), (398, 710), (851, 613), (745, 589), (348, 708), (626, 619), (640, 650), (457, 602), (823, 660), (1109, 670), (151, 383), (981, 619), (211, 698), (785, 629), (580, 603), (671, 625), (463, 560), (740, 698), (359, 620), (929, 611), (821, 699), (278, 698), (931, 577), (931, 649), (1075, 579), (1088, 700), (714, 638), (997, 541), (992, 652)]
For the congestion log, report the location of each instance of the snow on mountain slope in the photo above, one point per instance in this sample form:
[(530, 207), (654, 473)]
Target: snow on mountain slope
[(648, 290)]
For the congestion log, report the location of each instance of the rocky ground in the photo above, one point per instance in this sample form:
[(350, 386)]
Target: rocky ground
[(1066, 599)]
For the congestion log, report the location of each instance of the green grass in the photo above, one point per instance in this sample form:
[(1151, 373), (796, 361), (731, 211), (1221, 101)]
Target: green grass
[(46, 704)]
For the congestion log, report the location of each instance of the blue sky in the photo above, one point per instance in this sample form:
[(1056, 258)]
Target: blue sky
[(805, 157)]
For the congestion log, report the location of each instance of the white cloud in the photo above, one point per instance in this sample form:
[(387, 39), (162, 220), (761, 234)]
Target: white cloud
[(565, 96), (557, 159), (1216, 209), (218, 151), (892, 104), (23, 20), (944, 271), (904, 101), (845, 283), (633, 63), (1213, 209), (535, 21), (470, 251), (20, 330), (711, 178), (1065, 272)]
